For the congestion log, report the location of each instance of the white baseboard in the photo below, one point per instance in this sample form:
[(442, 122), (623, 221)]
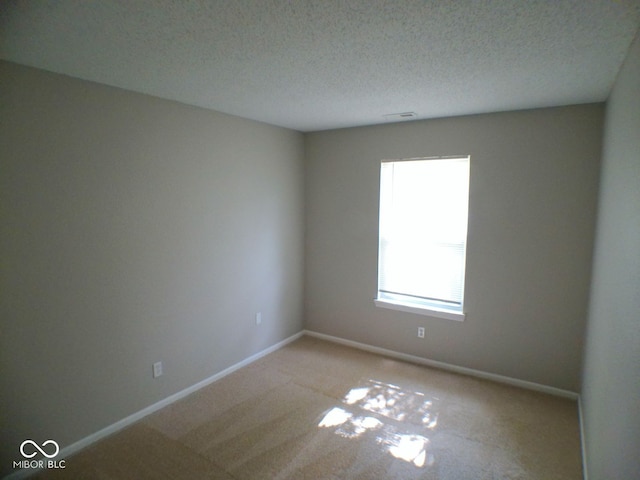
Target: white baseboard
[(131, 419), (446, 366), (583, 445)]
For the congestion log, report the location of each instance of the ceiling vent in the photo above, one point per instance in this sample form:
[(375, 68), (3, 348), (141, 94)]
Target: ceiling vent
[(392, 117)]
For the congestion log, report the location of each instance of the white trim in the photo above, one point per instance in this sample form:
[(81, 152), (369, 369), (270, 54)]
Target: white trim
[(583, 438), (558, 392), (428, 311), (437, 157), (131, 419)]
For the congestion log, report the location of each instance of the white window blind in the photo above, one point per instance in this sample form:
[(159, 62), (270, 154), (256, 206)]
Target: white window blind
[(423, 232)]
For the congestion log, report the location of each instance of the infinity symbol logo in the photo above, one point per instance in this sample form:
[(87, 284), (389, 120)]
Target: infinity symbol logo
[(37, 447)]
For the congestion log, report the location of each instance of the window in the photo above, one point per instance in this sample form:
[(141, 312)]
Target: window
[(423, 235)]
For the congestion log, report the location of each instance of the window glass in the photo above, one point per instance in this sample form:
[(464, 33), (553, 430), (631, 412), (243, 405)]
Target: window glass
[(423, 231)]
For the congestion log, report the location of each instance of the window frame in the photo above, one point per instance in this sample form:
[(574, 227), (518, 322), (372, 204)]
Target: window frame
[(424, 307)]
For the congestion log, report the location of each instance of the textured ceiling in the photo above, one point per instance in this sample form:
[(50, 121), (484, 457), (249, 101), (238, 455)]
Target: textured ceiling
[(313, 65)]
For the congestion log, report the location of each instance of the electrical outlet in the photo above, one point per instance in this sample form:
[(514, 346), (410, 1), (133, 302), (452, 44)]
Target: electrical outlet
[(420, 332), (157, 369), (258, 318)]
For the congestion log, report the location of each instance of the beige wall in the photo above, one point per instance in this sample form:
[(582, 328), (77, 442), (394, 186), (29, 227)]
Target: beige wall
[(611, 384), (134, 230), (533, 194)]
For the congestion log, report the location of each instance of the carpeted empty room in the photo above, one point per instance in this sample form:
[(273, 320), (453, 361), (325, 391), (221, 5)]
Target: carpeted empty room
[(305, 239), (318, 410)]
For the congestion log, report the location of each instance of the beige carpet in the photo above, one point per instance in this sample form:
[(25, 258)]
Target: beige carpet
[(315, 410)]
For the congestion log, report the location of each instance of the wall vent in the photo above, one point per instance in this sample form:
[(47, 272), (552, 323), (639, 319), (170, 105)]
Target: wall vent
[(400, 116)]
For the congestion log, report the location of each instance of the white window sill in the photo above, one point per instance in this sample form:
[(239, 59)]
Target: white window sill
[(420, 310)]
